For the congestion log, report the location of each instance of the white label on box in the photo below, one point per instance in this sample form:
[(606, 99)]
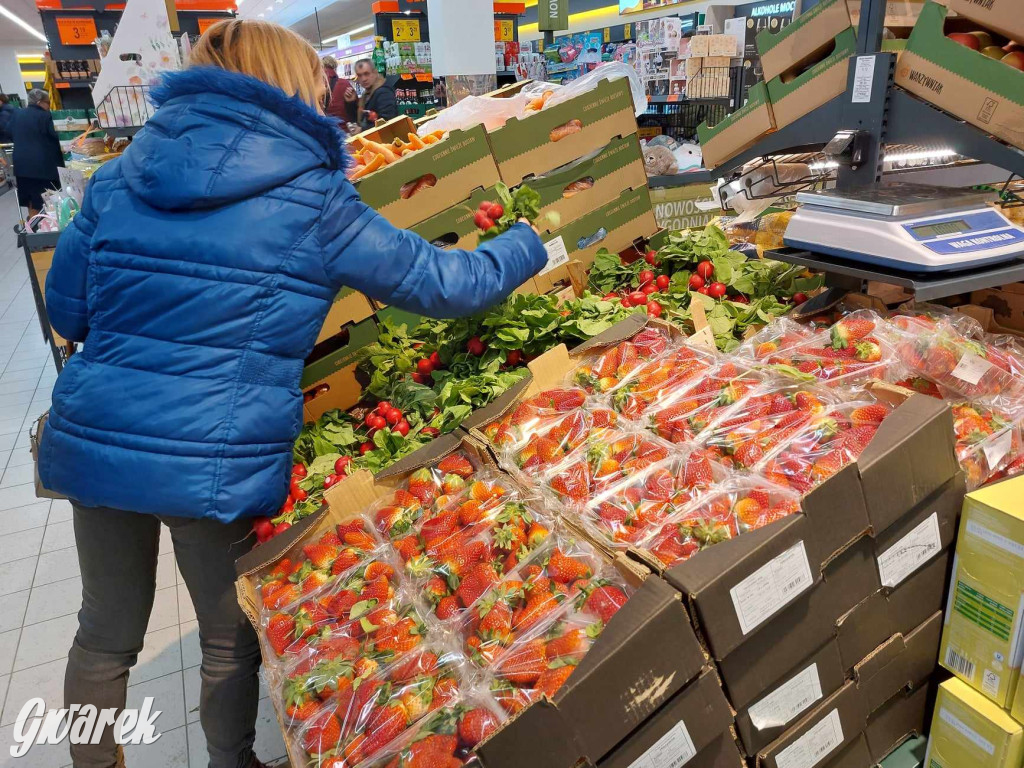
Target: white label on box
[(971, 368), (990, 683), (911, 552), (768, 589), (863, 79), (672, 750), (978, 530), (811, 748), (966, 731), (787, 701), (557, 255), (995, 449)]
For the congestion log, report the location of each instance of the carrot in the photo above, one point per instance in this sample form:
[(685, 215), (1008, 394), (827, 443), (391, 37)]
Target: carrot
[(375, 164), (430, 139), (415, 142), (559, 133), (381, 149), (538, 103), (437, 134)]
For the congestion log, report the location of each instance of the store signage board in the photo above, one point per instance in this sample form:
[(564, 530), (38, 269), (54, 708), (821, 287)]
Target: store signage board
[(503, 30), (461, 37), (76, 30), (205, 24), (552, 15), (763, 15), (640, 6), (405, 30)]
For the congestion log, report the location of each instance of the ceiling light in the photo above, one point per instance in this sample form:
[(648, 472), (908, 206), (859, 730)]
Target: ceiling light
[(260, 15), (22, 23)]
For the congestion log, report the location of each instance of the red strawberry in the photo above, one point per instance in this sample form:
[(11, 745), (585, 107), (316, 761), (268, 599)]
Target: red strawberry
[(565, 569), (408, 547), (849, 330), (475, 726), (869, 414), (385, 728), (321, 555), (698, 472), (447, 607), (475, 583), (525, 664), (572, 644), (280, 632), (605, 601), (553, 678), (455, 464), (574, 482)]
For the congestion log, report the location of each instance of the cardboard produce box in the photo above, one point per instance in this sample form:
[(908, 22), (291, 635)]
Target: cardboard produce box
[(1002, 16), (803, 89), (792, 46), (330, 381), (576, 189), (452, 168), (533, 145), (349, 306), (738, 131), (900, 14), (873, 703), (985, 92), (454, 227), (969, 731), (691, 729), (1007, 305), (981, 642)]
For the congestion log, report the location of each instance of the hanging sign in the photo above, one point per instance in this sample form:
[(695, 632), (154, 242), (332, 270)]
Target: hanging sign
[(76, 30), (405, 30), (552, 15)]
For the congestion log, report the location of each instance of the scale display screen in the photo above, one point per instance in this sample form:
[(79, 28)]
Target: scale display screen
[(940, 229)]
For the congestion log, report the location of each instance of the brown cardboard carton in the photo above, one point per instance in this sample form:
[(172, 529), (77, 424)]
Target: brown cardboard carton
[(330, 381), (691, 728), (349, 306), (804, 87), (1002, 16), (722, 46), (783, 49), (740, 130), (1006, 305), (700, 46)]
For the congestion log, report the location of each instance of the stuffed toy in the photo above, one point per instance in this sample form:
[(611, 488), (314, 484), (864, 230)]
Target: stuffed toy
[(659, 160)]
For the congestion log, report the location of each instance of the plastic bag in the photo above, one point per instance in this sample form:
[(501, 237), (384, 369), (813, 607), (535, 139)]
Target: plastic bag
[(606, 369), (612, 70), (777, 337), (987, 441), (658, 378)]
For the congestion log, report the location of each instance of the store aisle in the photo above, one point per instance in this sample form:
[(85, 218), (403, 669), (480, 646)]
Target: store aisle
[(40, 588)]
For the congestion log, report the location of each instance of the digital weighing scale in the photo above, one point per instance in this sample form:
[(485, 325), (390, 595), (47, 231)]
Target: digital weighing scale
[(910, 227)]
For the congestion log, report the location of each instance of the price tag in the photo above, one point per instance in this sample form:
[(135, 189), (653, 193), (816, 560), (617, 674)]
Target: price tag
[(205, 24), (76, 30), (971, 368), (405, 30), (503, 30), (607, 34), (557, 254)]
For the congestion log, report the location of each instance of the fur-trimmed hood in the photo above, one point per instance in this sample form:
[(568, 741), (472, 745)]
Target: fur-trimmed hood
[(219, 137)]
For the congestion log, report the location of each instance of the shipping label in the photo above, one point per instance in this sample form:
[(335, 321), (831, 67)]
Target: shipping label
[(771, 587), (672, 750), (911, 552), (787, 701), (815, 745)]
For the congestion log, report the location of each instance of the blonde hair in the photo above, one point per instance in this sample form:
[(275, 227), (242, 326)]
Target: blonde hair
[(266, 51)]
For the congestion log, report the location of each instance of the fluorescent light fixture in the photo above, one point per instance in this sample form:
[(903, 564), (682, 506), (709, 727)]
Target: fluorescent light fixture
[(29, 56), (826, 166), (260, 15), (22, 23), (364, 28), (932, 154)]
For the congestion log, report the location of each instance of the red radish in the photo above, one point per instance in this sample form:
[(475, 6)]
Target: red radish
[(298, 470), (475, 347), (341, 465), (706, 270), (288, 507), (483, 221), (740, 299), (649, 288), (609, 296), (369, 418), (653, 309), (401, 428), (495, 211), (485, 205), (626, 302), (281, 528), (330, 480), (430, 431), (651, 257), (263, 528), (435, 359), (638, 298), (379, 422), (696, 282), (717, 290), (514, 357), (424, 366), (704, 290), (383, 406), (296, 493), (662, 282), (799, 298), (393, 416), (646, 277), (419, 378), (366, 448)]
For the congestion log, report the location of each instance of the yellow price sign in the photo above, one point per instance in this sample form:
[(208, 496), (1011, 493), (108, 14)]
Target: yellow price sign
[(503, 29), (405, 30), (627, 31), (607, 34), (75, 30)]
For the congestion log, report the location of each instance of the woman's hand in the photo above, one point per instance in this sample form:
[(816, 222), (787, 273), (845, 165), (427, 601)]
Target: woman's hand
[(528, 223)]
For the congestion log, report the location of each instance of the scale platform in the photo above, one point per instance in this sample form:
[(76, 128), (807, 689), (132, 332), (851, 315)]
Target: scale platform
[(910, 227)]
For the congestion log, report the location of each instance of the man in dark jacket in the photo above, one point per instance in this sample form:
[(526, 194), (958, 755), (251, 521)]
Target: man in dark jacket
[(6, 119), (378, 97), (37, 152)]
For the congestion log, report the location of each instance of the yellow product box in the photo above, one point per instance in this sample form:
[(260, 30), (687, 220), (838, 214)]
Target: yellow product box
[(969, 731), (981, 639)]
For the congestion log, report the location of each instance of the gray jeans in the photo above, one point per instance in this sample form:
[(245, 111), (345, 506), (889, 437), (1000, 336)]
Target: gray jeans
[(118, 555)]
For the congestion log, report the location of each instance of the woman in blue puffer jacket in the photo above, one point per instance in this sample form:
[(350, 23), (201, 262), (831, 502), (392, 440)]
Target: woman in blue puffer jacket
[(198, 273)]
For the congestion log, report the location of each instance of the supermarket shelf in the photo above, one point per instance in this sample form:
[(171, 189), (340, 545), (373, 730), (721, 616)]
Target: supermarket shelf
[(924, 286), (61, 84), (680, 179), (40, 241), (126, 132), (725, 101)]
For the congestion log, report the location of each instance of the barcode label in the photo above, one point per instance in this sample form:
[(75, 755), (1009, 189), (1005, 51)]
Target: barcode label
[(959, 664), (557, 255), (971, 368), (863, 79), (672, 750), (911, 552), (787, 701), (771, 587), (811, 748)]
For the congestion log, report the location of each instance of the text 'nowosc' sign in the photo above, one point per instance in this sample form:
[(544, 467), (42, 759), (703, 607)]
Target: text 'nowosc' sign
[(552, 15)]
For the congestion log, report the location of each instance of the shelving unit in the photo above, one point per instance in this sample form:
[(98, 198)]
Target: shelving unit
[(890, 117)]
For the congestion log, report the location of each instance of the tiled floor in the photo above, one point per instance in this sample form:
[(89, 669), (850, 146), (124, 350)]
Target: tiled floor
[(40, 588)]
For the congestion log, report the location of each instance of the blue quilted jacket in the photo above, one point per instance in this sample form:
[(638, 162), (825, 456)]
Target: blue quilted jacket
[(198, 273)]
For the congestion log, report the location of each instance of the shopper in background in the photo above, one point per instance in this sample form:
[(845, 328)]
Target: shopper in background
[(6, 119), (37, 152), (378, 99), (199, 273), (342, 100)]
